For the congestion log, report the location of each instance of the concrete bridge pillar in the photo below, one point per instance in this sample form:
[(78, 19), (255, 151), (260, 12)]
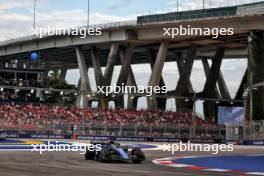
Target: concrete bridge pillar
[(85, 87), (256, 72), (123, 75), (109, 69), (102, 102), (242, 87), (223, 90), (79, 96), (223, 87), (184, 85), (180, 65), (155, 77), (161, 102), (207, 72), (210, 85), (131, 81)]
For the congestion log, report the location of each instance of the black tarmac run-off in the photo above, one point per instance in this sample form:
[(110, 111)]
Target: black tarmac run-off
[(73, 164)]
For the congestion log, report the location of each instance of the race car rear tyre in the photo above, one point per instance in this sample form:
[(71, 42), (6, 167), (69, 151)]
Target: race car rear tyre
[(89, 155), (138, 155), (100, 157), (137, 152), (137, 161)]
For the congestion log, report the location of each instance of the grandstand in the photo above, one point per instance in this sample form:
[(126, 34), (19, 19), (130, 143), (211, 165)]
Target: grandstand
[(50, 127), (31, 99), (52, 119), (26, 108)]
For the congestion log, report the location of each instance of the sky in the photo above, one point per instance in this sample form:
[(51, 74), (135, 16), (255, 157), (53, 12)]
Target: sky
[(16, 17)]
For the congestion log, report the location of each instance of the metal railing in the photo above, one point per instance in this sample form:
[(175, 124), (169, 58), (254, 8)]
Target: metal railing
[(185, 17), (132, 130), (228, 132), (255, 131), (102, 26)]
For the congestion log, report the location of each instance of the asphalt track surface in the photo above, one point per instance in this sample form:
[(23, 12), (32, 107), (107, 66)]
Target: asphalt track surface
[(26, 163)]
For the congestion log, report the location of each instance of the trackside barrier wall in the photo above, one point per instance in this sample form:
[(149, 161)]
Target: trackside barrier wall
[(105, 138), (127, 138)]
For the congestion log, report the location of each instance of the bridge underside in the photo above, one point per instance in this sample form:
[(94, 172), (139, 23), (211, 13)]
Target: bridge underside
[(247, 44), (60, 57)]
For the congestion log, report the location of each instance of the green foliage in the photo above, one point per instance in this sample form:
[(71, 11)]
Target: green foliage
[(53, 82)]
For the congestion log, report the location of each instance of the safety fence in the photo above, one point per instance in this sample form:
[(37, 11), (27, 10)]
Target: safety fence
[(130, 130), (255, 131)]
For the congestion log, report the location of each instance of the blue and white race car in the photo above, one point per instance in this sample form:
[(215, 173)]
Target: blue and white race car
[(113, 151)]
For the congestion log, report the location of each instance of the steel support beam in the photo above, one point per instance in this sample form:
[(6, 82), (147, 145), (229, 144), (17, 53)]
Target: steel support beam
[(155, 77)]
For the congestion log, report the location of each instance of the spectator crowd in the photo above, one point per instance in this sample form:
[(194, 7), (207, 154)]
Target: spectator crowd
[(29, 116)]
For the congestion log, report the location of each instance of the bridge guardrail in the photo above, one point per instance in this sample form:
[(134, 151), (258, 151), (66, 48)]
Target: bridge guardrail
[(103, 26), (242, 12)]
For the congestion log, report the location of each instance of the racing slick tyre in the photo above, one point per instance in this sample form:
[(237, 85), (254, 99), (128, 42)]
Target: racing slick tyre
[(137, 155), (89, 155), (101, 158)]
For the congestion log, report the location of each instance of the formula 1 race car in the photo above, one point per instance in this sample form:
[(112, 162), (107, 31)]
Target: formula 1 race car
[(112, 151)]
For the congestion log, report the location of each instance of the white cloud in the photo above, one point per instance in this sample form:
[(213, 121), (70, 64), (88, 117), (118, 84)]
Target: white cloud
[(10, 4), (16, 24)]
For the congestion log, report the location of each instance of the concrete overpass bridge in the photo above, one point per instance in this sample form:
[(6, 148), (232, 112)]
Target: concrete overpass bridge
[(135, 42)]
